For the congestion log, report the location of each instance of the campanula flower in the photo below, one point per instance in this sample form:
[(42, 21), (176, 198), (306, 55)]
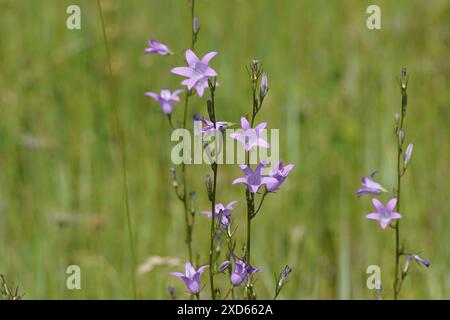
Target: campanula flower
[(253, 179), (370, 186), (242, 270), (166, 99), (209, 125), (280, 173), (191, 278), (250, 137), (222, 212), (157, 48), (385, 215), (197, 72)]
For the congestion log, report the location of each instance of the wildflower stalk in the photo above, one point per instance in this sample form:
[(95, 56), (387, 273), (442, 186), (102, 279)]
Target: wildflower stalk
[(254, 72), (189, 221), (121, 136), (400, 140), (212, 192)]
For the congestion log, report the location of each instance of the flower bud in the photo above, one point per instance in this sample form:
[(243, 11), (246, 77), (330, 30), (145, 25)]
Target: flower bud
[(284, 274), (209, 187), (397, 117), (195, 24), (404, 79), (192, 195), (426, 263), (264, 86), (173, 171), (224, 266), (401, 136), (408, 153)]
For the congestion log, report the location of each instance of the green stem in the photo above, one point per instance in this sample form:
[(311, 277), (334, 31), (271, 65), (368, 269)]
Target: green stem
[(121, 137), (398, 278)]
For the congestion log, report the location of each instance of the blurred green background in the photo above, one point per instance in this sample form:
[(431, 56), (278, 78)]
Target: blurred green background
[(333, 95)]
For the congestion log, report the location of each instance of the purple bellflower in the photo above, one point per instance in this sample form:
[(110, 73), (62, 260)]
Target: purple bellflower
[(166, 99), (250, 137), (385, 215), (197, 72), (222, 212), (253, 179), (209, 125), (242, 270), (369, 186), (157, 48), (191, 278), (280, 173)]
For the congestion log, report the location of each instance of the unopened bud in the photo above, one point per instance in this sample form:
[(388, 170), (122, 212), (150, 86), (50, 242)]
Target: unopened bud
[(408, 153), (173, 171), (195, 24), (209, 187), (397, 117), (401, 136), (284, 274), (264, 86)]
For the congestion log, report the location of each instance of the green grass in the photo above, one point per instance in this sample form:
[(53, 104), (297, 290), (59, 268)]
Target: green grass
[(333, 94)]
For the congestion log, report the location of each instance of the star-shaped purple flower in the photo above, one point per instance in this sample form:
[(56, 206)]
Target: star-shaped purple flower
[(157, 48), (191, 278), (369, 186), (280, 173), (165, 99), (222, 212), (242, 270), (385, 215), (253, 179), (197, 72), (250, 137)]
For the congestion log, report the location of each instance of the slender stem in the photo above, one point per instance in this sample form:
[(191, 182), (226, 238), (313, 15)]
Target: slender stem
[(214, 167), (121, 137), (189, 223), (398, 278)]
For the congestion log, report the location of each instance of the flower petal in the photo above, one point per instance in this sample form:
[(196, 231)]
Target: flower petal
[(207, 57), (378, 205), (391, 204), (191, 57), (183, 71), (244, 123)]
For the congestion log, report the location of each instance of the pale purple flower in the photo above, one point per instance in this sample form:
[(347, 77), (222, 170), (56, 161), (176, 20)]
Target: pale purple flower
[(385, 215), (197, 72), (280, 173), (426, 263), (157, 48), (253, 179), (166, 99), (370, 186), (408, 153), (191, 278), (209, 125), (242, 270), (250, 137), (222, 212)]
